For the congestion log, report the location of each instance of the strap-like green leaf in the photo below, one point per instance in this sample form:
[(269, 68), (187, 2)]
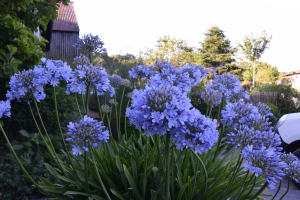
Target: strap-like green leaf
[(117, 194)]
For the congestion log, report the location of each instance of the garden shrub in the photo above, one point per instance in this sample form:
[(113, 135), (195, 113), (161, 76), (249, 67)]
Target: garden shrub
[(33, 154), (274, 109)]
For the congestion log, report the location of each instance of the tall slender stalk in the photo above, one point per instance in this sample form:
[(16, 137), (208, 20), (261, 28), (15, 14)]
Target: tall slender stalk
[(125, 120), (87, 100), (167, 148), (219, 142), (205, 173), (97, 172), (277, 191), (236, 169), (260, 191), (145, 168), (287, 190), (121, 109), (62, 136), (83, 104), (98, 104), (58, 163), (78, 107)]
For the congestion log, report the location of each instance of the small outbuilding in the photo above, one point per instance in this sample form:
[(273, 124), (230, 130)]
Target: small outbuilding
[(64, 33)]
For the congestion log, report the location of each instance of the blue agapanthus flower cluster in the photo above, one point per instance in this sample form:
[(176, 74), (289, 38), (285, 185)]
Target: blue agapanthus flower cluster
[(293, 166), (140, 71), (264, 110), (226, 84), (158, 110), (87, 130), (167, 74), (26, 83), (115, 80), (264, 162), (199, 133), (81, 60), (196, 72), (5, 108), (235, 113), (211, 97), (90, 43), (54, 71), (86, 75), (236, 96)]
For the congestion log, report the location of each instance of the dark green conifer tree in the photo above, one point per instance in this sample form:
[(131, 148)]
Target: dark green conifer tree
[(216, 49)]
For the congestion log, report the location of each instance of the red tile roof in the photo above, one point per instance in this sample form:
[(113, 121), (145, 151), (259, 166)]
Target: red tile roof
[(66, 19)]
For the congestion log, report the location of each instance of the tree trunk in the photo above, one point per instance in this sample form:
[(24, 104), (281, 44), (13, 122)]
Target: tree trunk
[(253, 64)]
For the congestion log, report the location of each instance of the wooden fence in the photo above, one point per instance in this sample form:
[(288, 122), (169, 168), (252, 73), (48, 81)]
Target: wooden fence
[(263, 97)]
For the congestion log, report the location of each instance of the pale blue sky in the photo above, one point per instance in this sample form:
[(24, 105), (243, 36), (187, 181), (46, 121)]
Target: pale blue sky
[(132, 25)]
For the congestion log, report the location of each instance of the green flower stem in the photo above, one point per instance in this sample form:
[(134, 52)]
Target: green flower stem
[(121, 108), (219, 110), (277, 191), (116, 111), (90, 57), (62, 136), (252, 186), (86, 173), (219, 142), (83, 104), (98, 175), (22, 167), (260, 191), (245, 187), (87, 100), (99, 108), (167, 156), (207, 108), (210, 111), (236, 169), (172, 174), (239, 192), (58, 163), (145, 168), (160, 185), (125, 120), (78, 107), (205, 173), (158, 151), (287, 190)]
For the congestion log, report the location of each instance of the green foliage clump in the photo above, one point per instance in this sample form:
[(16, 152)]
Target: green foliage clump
[(32, 153)]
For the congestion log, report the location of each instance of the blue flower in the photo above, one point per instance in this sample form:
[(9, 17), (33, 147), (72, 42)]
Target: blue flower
[(264, 110), (158, 110), (86, 75), (115, 80), (237, 113), (167, 74), (211, 97), (126, 82), (140, 71), (90, 43), (264, 162), (54, 70), (196, 73), (239, 95), (88, 130), (225, 83), (293, 166), (5, 108), (26, 83), (199, 133), (81, 60)]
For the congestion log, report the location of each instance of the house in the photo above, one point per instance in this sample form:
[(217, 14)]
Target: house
[(63, 32), (295, 79)]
